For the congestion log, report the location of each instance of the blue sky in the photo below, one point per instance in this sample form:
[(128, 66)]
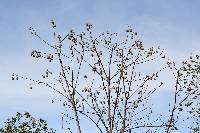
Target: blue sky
[(172, 24)]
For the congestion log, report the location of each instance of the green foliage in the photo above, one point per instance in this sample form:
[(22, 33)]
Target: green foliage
[(25, 123), (188, 94)]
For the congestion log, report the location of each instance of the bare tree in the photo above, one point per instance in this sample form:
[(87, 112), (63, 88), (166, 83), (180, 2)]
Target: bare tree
[(107, 79)]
